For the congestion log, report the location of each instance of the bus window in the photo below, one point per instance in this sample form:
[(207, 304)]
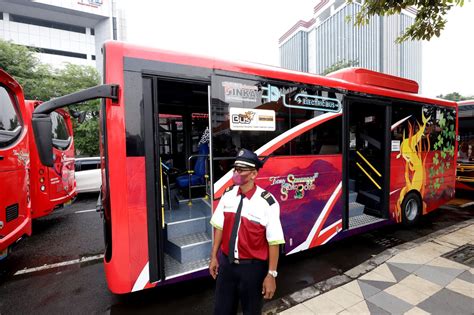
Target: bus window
[(61, 138), (10, 121)]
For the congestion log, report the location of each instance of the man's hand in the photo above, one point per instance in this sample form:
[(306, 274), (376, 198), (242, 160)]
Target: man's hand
[(269, 287), (214, 267)]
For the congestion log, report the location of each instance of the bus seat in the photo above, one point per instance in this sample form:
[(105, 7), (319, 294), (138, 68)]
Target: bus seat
[(199, 169)]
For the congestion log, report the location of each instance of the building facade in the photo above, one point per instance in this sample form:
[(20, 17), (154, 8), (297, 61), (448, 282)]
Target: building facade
[(62, 31), (326, 39)]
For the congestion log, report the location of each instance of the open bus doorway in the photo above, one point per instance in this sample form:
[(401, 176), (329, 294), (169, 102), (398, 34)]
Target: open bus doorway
[(368, 162), (182, 146)]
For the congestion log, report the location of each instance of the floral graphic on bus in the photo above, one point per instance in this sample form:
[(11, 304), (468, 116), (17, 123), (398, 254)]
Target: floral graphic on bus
[(441, 161), (411, 150)]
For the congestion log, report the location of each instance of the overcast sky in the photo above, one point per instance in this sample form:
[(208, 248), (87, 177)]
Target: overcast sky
[(249, 30)]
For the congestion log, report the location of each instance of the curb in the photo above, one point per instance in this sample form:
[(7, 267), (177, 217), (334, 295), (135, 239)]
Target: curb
[(319, 288)]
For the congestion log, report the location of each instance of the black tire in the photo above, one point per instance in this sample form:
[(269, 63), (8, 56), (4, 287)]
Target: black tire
[(411, 209)]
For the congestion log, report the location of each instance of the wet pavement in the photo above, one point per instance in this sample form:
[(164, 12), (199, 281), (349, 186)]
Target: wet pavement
[(74, 232)]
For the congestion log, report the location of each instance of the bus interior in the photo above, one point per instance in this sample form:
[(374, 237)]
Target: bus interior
[(366, 163), (183, 135)]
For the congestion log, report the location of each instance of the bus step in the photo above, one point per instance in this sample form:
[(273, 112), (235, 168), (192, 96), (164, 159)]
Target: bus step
[(174, 267), (355, 209), (352, 196), (362, 220), (369, 195), (352, 184), (189, 247), (187, 226)]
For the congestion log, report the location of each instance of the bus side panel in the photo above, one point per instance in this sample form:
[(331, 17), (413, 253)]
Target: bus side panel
[(308, 189), (423, 160), (14, 206), (117, 268), (15, 202), (15, 196), (137, 208)]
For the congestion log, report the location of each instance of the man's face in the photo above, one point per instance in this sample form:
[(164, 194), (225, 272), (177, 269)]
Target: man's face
[(242, 175)]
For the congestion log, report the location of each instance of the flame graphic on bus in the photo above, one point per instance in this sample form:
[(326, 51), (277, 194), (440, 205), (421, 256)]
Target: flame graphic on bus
[(411, 150)]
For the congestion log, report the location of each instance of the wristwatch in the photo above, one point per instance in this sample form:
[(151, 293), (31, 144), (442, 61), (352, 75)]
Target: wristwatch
[(273, 273)]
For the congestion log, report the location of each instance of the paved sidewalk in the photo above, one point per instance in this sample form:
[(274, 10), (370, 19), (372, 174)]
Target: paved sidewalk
[(413, 278)]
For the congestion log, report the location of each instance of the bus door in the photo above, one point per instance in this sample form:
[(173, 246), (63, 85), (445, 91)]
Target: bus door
[(177, 150), (367, 160)]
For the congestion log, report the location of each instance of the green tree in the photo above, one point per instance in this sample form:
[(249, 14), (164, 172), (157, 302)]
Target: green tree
[(455, 96), (42, 82), (70, 79), (430, 18), (341, 64)]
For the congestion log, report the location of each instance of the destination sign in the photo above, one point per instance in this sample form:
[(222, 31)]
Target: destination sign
[(315, 102)]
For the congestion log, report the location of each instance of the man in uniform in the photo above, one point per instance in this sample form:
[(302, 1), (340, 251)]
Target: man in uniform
[(248, 232)]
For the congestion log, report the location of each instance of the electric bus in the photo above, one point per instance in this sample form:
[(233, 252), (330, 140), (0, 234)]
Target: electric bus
[(53, 187), (344, 154), (15, 195), (465, 166)]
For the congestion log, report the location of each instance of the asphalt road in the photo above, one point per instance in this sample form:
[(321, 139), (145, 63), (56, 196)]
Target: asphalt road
[(78, 288)]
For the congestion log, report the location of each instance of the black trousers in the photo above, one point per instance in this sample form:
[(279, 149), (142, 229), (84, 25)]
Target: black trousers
[(240, 281)]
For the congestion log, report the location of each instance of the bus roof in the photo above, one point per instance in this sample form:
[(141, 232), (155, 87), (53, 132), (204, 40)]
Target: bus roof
[(353, 79), (465, 103)]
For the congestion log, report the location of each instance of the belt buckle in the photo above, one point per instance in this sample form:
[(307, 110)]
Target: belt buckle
[(236, 261)]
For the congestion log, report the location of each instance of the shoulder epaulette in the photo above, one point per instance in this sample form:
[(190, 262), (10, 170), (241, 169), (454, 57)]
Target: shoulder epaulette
[(268, 197)]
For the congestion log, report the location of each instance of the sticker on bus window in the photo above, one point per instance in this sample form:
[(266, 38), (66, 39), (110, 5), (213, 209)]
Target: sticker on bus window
[(252, 119), (235, 92)]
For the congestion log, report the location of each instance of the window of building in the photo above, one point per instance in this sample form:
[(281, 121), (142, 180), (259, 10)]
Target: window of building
[(10, 121), (45, 23), (1, 15), (59, 52), (92, 31), (114, 28), (93, 57), (60, 131)]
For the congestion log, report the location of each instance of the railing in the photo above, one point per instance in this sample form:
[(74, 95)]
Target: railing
[(367, 173), (165, 170)]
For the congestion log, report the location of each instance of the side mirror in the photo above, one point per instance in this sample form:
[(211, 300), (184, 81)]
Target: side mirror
[(42, 127), (80, 116)]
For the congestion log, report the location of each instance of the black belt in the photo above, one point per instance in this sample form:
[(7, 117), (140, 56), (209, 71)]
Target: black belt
[(245, 261)]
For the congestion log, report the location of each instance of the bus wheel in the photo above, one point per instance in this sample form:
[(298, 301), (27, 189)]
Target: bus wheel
[(411, 209)]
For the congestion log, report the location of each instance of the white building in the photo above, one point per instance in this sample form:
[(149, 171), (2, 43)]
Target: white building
[(314, 45), (62, 30)]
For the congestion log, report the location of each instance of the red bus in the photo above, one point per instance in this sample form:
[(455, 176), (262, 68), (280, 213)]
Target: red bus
[(345, 153), (15, 196), (52, 187), (465, 169)]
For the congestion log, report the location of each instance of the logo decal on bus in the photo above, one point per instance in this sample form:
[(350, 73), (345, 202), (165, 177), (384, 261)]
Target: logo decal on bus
[(23, 157), (252, 119), (302, 100), (293, 183), (238, 92)]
